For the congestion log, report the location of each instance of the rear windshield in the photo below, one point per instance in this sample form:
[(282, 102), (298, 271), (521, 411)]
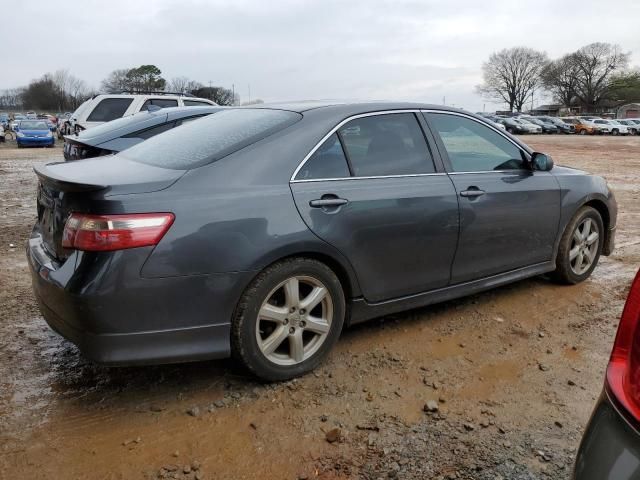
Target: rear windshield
[(210, 138)]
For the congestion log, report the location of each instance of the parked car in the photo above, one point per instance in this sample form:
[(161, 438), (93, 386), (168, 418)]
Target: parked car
[(34, 133), (610, 447), (122, 133), (16, 120), (261, 232), (632, 124), (106, 107), (563, 127), (532, 127), (545, 126), (611, 126), (582, 127), (513, 126)]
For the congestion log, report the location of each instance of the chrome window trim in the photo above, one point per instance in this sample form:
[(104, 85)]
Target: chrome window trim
[(334, 130), (310, 180)]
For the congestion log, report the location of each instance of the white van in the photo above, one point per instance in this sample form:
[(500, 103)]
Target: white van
[(106, 107)]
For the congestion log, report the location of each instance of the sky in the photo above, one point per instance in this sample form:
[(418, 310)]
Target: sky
[(416, 50)]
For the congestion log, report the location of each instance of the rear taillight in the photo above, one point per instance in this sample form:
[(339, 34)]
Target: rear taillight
[(99, 233), (623, 372)]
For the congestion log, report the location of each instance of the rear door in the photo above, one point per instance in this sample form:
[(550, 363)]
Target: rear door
[(509, 214), (372, 190)]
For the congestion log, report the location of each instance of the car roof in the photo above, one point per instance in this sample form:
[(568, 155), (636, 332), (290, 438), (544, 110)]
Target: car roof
[(353, 107)]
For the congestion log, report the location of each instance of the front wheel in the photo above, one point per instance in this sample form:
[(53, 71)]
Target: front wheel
[(580, 247), (288, 319), (583, 132)]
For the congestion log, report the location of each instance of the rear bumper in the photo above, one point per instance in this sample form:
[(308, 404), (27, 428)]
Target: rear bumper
[(102, 304), (610, 447)]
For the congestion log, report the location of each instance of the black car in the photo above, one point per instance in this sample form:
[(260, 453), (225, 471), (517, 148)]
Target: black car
[(122, 133), (261, 232), (547, 127), (563, 127), (610, 447)]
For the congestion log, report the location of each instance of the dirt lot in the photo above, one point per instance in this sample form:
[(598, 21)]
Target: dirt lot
[(511, 376)]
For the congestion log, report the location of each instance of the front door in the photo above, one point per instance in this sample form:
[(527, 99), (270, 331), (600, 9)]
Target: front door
[(372, 191), (509, 214)]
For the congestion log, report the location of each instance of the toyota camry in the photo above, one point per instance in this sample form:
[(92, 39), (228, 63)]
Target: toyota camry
[(263, 232)]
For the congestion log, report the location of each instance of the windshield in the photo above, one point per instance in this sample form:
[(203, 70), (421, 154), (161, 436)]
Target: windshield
[(25, 125), (211, 138)]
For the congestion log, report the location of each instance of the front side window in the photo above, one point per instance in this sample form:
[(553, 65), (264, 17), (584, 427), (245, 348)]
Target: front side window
[(390, 144), (195, 103), (328, 161), (109, 109), (474, 147)]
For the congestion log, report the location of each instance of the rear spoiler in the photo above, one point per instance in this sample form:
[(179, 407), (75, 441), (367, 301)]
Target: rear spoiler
[(47, 177)]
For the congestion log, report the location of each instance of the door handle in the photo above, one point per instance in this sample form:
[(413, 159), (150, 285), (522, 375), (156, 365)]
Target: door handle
[(472, 192), (328, 202)]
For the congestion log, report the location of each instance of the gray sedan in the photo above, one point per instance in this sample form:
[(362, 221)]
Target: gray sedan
[(262, 232)]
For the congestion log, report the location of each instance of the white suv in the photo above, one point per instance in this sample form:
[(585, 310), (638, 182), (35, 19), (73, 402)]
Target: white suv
[(106, 107), (612, 126)]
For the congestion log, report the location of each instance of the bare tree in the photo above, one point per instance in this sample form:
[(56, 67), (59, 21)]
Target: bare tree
[(560, 78), (220, 95), (596, 63), (183, 85), (116, 82), (512, 75)]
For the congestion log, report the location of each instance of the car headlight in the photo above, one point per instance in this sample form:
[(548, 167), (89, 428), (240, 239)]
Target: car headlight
[(19, 134)]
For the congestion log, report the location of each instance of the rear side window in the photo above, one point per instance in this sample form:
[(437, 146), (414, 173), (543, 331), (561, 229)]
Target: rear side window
[(391, 144), (195, 103), (211, 138), (151, 132), (109, 109), (159, 102), (328, 161)]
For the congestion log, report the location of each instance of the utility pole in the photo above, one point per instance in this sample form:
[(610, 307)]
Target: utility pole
[(233, 89), (444, 100)]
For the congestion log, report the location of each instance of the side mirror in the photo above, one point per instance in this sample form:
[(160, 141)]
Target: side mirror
[(541, 162)]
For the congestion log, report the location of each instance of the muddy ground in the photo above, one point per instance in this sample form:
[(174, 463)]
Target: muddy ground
[(511, 376)]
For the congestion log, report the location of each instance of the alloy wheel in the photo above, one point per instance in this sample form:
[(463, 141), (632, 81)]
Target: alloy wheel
[(584, 246), (294, 320)]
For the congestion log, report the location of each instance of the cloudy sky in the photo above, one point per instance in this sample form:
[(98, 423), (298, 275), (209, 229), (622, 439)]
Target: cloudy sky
[(423, 50)]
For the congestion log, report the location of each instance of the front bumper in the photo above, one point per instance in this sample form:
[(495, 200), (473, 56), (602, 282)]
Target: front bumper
[(610, 447), (116, 317), (35, 141)]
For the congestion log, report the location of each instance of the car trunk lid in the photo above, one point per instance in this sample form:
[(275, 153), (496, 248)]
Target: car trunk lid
[(90, 186)]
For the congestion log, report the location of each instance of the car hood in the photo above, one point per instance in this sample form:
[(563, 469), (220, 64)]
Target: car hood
[(35, 133), (561, 170)]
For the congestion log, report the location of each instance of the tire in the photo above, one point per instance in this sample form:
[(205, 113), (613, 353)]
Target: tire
[(566, 270), (615, 132), (510, 130), (583, 132), (278, 359)]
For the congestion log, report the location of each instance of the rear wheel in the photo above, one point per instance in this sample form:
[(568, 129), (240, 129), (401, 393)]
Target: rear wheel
[(615, 132), (288, 319), (583, 132), (580, 247)]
